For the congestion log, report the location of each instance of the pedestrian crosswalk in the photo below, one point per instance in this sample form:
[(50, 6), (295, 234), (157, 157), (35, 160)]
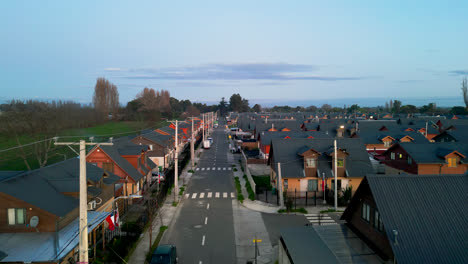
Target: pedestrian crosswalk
[(209, 195), (213, 169), (320, 219)]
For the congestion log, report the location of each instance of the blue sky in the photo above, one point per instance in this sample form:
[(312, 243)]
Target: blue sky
[(264, 50)]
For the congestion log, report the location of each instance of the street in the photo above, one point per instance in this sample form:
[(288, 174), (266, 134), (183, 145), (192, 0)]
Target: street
[(203, 230)]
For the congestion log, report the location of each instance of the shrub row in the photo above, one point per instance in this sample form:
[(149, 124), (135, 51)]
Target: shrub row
[(249, 188), (240, 197)]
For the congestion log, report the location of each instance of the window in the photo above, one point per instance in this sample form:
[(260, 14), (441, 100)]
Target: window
[(340, 163), (400, 156), (108, 166), (392, 155), (378, 221), (285, 183), (312, 185), (452, 162), (410, 161), (310, 162), (386, 144), (338, 185), (365, 212), (16, 216)]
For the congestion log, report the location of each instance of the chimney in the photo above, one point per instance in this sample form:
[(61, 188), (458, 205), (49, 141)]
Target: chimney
[(151, 147), (111, 139)]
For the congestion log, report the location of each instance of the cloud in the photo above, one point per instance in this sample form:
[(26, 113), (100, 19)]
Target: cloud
[(113, 69), (458, 72), (410, 81), (235, 72)]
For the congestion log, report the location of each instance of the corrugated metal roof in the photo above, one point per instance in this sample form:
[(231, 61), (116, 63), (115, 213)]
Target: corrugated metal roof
[(430, 214), (304, 245), (286, 152)]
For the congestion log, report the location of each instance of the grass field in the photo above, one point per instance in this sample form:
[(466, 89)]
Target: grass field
[(9, 160)]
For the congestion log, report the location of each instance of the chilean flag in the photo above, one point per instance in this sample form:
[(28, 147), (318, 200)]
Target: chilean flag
[(110, 220), (116, 217)]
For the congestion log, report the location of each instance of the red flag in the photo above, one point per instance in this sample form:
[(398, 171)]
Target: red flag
[(110, 221), (323, 183)]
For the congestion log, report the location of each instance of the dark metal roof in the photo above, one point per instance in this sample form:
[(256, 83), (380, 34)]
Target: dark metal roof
[(429, 212), (44, 187), (431, 152), (266, 137), (122, 162), (286, 152), (304, 244)]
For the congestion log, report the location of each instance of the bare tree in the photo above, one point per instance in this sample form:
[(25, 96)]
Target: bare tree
[(165, 102), (464, 89), (149, 100), (106, 97)]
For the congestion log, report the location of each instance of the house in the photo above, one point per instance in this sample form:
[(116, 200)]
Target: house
[(323, 244), (412, 219), (127, 161), (427, 158), (305, 162), (264, 139), (50, 196), (160, 147)]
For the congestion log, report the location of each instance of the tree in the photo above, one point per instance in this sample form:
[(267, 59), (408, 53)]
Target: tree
[(464, 89), (257, 108), (165, 102), (459, 110), (245, 105), (429, 108), (326, 108), (354, 108), (311, 108), (396, 106), (106, 97), (235, 103), (409, 109), (223, 107)]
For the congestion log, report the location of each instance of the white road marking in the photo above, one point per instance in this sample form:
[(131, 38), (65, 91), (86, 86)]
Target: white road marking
[(203, 241), (217, 194), (208, 207), (214, 168), (202, 169), (210, 194), (225, 195), (229, 168), (194, 195), (219, 168), (207, 168), (224, 168), (187, 195), (206, 220), (232, 195), (200, 262), (202, 195), (197, 169)]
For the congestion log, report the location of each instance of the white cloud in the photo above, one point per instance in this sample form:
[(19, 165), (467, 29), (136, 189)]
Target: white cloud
[(112, 69)]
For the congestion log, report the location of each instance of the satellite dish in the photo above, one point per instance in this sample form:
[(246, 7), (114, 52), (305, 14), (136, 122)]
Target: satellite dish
[(34, 221)]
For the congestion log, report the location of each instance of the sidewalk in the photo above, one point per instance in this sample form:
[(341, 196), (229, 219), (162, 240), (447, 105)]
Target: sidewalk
[(167, 212)]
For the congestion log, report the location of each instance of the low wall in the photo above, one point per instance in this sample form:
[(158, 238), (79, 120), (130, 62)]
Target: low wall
[(247, 171)]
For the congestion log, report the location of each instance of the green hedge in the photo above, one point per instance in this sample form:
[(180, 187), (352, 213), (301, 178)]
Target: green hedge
[(240, 197)]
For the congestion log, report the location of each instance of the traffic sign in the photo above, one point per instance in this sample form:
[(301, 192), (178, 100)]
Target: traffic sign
[(257, 240)]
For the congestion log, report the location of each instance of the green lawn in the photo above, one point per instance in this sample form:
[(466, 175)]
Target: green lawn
[(9, 160)]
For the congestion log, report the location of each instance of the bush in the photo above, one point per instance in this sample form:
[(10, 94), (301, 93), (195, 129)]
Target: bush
[(249, 189), (175, 204), (235, 169), (181, 191), (191, 171)]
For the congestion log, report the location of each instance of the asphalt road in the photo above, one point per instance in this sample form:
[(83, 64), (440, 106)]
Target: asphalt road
[(204, 230)]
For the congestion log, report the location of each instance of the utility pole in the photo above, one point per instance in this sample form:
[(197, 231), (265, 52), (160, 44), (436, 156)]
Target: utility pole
[(83, 235), (336, 182), (192, 147), (203, 127), (280, 186), (176, 160)]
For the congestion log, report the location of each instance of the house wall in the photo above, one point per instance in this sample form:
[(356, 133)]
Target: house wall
[(46, 219), (400, 163), (341, 170), (310, 172), (378, 240), (100, 157), (379, 148), (441, 169)]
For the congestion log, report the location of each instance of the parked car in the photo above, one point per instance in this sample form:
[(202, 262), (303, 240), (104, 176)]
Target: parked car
[(164, 254)]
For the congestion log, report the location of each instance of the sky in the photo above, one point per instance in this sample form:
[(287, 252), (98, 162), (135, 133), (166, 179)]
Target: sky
[(268, 51)]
